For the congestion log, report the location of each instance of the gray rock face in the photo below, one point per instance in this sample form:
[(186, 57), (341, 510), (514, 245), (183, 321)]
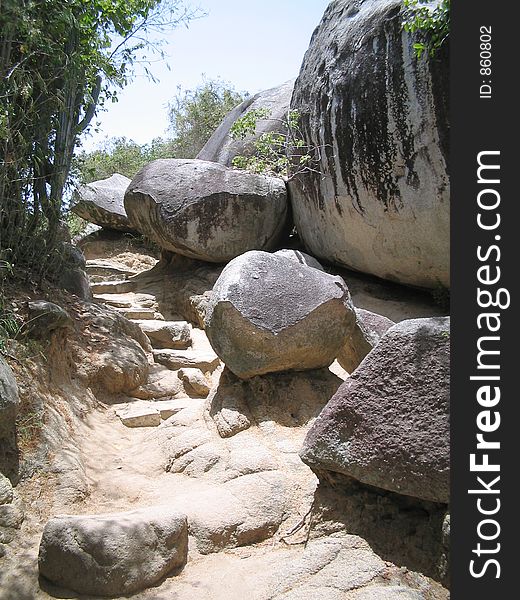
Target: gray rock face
[(381, 202), (46, 317), (388, 424), (101, 202), (222, 148), (8, 400), (115, 554), (269, 314), (371, 328), (205, 210)]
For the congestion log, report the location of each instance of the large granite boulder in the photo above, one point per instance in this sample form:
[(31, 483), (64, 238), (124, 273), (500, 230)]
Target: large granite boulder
[(101, 202), (205, 210), (222, 148), (268, 313), (380, 201), (113, 554), (370, 329), (388, 424)]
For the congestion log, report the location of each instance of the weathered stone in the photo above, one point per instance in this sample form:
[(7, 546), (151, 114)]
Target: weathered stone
[(371, 327), (167, 334), (269, 314), (205, 210), (161, 382), (245, 510), (379, 201), (300, 257), (139, 414), (101, 202), (113, 356), (222, 148), (76, 281), (194, 381), (178, 359), (46, 317), (8, 401), (113, 554), (388, 424)]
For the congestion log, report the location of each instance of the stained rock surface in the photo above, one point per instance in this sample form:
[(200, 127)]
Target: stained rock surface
[(380, 199), (205, 210)]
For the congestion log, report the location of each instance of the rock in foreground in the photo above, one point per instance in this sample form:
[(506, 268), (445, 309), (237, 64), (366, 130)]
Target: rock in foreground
[(269, 314), (101, 202), (379, 201), (388, 424), (205, 210), (115, 554)]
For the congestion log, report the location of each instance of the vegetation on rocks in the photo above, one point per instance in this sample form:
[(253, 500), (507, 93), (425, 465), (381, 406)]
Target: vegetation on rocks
[(430, 24), (281, 154)]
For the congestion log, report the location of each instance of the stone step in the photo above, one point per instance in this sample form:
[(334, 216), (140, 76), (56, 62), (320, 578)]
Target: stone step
[(206, 361), (148, 413), (139, 414), (114, 302), (128, 300), (140, 314), (113, 287), (100, 270), (167, 334)]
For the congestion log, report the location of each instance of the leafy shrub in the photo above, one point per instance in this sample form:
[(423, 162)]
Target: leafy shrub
[(430, 23), (275, 153)]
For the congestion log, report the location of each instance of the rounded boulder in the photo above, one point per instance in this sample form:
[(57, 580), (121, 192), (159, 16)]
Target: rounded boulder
[(113, 554), (206, 210), (268, 314)]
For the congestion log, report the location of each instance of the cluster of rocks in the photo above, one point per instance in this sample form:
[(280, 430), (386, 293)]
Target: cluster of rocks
[(378, 202), (377, 199)]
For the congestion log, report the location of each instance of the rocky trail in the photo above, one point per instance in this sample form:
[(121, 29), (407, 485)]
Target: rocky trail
[(222, 452), (197, 409)]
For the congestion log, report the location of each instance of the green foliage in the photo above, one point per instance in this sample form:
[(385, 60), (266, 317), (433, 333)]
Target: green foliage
[(430, 23), (76, 224), (283, 154), (119, 155), (195, 114), (59, 61)]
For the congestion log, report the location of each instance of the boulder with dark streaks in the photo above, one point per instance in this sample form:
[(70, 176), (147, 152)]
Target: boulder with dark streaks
[(380, 202)]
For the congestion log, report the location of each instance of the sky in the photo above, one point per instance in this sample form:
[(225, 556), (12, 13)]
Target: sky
[(252, 44)]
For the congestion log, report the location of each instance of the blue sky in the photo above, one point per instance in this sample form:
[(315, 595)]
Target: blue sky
[(252, 44)]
